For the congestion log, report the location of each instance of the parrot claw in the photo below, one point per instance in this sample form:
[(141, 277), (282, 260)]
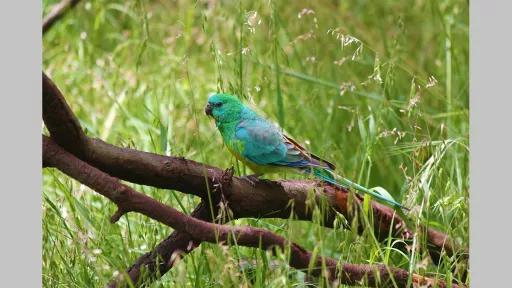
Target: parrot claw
[(227, 175), (252, 179)]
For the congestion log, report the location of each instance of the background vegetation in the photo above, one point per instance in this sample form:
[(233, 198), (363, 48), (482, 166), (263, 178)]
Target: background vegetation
[(380, 88)]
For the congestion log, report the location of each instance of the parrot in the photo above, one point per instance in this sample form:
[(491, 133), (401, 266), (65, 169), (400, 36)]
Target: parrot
[(264, 148)]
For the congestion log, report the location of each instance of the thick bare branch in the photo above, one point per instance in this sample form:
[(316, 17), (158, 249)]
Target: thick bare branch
[(128, 200), (57, 12), (60, 120)]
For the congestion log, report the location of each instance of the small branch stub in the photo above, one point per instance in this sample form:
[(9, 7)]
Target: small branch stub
[(117, 215)]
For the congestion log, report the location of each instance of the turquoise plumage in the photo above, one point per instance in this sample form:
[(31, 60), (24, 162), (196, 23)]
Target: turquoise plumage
[(263, 147)]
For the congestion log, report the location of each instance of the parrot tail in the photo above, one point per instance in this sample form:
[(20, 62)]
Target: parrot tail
[(328, 176)]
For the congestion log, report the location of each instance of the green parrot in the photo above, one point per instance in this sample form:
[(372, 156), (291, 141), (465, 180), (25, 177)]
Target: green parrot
[(261, 146)]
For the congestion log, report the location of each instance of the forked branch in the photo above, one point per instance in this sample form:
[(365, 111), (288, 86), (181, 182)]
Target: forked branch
[(129, 200)]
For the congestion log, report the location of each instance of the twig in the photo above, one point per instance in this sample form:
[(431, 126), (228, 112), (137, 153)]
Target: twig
[(57, 12)]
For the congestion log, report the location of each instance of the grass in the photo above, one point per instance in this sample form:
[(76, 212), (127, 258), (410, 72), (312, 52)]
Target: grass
[(378, 88)]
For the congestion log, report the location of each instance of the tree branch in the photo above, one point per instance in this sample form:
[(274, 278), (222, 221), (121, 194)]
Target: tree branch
[(264, 199), (128, 200)]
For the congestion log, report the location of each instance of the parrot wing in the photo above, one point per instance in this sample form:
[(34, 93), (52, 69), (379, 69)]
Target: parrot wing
[(264, 144), (260, 140)]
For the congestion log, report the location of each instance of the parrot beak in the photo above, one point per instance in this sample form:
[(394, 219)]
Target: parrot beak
[(208, 109)]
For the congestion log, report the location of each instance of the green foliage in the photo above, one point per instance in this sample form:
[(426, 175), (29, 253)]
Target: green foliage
[(379, 88)]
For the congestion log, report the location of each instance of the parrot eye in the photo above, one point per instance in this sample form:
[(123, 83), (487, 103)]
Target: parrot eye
[(218, 104)]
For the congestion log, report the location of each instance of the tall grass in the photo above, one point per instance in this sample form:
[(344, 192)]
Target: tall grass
[(378, 88)]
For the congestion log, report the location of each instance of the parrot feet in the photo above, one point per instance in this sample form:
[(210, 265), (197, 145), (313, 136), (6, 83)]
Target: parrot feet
[(227, 175)]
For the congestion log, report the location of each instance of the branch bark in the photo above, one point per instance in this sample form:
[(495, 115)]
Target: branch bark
[(129, 200)]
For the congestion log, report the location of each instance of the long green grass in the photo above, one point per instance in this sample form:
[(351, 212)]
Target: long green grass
[(380, 88)]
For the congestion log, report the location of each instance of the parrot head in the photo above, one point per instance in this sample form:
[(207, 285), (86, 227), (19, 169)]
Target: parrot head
[(223, 107)]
